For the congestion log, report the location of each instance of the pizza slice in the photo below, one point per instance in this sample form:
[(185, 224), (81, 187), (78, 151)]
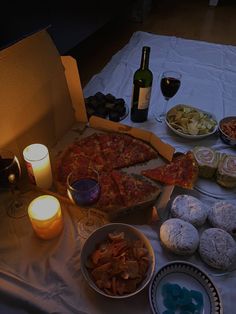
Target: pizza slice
[(112, 146), (182, 171), (69, 160), (136, 151), (110, 198), (90, 148), (134, 189)]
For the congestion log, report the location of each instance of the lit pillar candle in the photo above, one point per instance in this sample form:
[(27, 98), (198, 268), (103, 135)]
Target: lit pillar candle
[(38, 165), (46, 217)]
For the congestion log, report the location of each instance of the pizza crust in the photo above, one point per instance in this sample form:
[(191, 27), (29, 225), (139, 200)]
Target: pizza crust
[(182, 171)]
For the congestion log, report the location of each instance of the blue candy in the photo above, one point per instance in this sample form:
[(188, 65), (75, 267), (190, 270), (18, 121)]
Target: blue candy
[(181, 299)]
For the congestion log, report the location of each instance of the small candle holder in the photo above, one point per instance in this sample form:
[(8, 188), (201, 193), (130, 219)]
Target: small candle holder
[(38, 165), (46, 217)]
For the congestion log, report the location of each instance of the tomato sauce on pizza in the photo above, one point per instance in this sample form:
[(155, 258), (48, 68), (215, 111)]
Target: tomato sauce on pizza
[(182, 171), (106, 152)]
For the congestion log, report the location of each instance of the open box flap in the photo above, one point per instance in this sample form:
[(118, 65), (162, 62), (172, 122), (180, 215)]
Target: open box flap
[(74, 85), (35, 105)]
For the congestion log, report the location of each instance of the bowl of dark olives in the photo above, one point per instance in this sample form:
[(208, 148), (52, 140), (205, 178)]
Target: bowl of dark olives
[(106, 106)]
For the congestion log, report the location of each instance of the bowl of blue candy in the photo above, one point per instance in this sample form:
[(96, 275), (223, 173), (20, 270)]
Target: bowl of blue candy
[(182, 287)]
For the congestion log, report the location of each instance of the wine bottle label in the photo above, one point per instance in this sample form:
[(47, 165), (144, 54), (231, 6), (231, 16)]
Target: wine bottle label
[(144, 97)]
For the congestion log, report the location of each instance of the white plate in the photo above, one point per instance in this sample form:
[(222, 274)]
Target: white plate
[(212, 188), (189, 276), (189, 136)]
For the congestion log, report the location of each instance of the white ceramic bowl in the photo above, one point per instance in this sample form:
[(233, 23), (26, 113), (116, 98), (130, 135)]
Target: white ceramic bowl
[(190, 136), (99, 236)]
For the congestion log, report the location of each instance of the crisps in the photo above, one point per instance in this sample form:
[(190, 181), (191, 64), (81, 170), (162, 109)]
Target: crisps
[(119, 265), (190, 120)]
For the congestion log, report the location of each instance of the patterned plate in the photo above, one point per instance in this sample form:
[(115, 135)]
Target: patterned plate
[(189, 276)]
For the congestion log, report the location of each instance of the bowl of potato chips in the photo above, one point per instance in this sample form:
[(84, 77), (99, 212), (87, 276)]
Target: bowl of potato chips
[(190, 122), (117, 260)]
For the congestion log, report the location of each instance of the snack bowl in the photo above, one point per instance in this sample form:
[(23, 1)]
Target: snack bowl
[(106, 107), (184, 113), (111, 255), (227, 130)]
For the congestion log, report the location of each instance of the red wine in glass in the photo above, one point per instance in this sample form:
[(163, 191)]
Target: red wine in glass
[(83, 189), (10, 173), (170, 84)]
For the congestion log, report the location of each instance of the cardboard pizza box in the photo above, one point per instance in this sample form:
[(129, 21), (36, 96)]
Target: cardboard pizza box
[(42, 99), (41, 94)]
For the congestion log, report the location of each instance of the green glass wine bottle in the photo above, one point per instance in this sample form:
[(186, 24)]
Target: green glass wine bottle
[(142, 85)]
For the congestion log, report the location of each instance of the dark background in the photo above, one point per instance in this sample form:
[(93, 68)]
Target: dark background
[(68, 22)]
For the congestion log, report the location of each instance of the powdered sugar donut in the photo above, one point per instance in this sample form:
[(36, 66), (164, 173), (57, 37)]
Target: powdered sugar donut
[(190, 209), (223, 215), (217, 248), (179, 236)]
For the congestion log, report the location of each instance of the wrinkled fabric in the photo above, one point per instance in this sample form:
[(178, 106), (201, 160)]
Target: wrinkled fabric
[(38, 276), (208, 80)]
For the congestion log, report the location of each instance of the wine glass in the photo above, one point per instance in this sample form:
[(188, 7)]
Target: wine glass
[(10, 173), (83, 189), (170, 84)]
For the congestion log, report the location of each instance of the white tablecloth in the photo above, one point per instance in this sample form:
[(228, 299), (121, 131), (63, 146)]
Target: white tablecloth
[(39, 276)]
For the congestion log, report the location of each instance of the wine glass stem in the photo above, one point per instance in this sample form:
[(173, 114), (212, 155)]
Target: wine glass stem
[(16, 197), (161, 116), (163, 113)]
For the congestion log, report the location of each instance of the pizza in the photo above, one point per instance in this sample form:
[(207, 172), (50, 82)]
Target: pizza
[(90, 147), (133, 189), (182, 171), (113, 146), (70, 160), (108, 153), (110, 198), (135, 151)]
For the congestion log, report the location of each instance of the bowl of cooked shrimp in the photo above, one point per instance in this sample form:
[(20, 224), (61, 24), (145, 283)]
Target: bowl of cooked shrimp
[(117, 260), (227, 130)]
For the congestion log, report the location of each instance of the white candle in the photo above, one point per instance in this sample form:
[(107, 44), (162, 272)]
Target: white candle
[(38, 165), (46, 217)]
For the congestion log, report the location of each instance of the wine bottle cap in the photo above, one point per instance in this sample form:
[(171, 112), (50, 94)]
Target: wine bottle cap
[(146, 48)]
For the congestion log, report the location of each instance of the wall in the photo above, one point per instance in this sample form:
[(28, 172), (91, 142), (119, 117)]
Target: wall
[(68, 23)]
